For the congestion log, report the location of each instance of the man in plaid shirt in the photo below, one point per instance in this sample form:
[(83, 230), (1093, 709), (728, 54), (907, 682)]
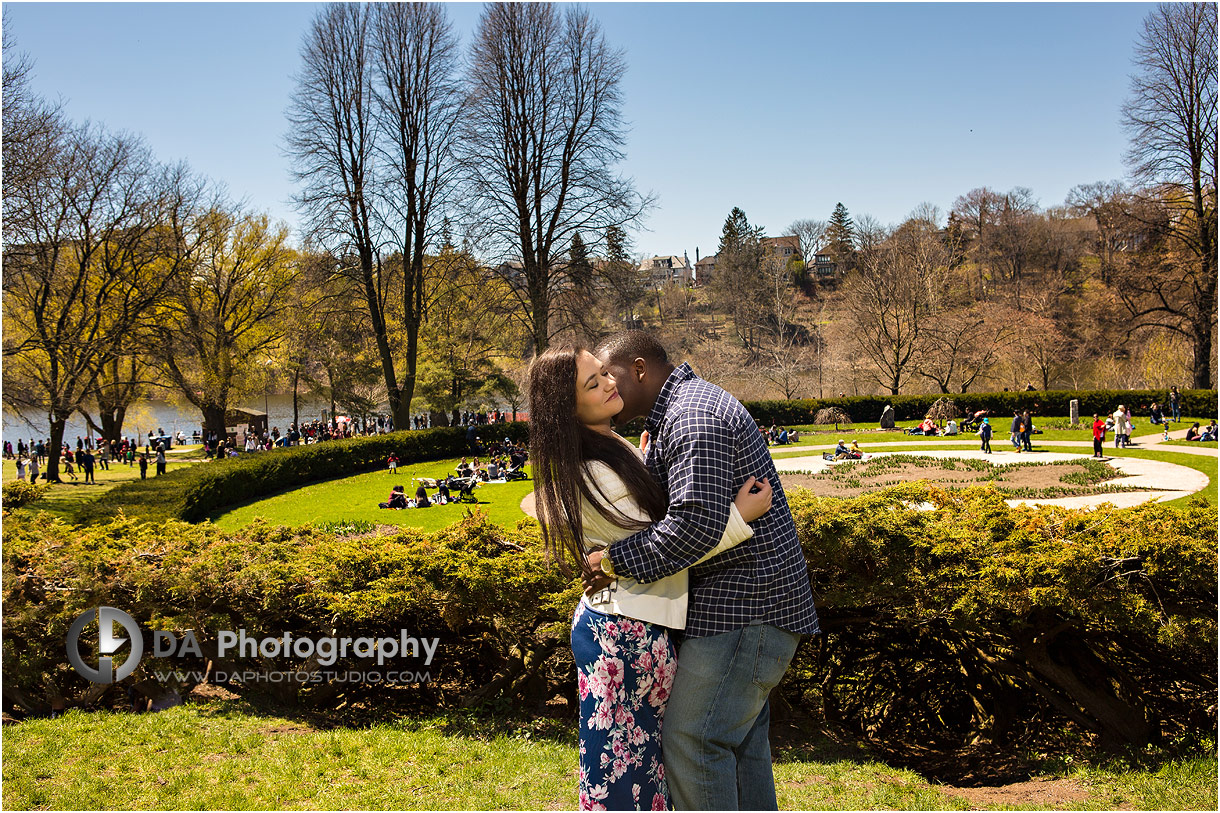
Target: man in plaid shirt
[(748, 606)]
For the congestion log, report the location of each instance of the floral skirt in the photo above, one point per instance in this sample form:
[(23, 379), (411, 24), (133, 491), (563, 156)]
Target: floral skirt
[(625, 669)]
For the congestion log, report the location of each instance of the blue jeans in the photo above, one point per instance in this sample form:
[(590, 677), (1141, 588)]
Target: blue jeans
[(715, 745), (1177, 412)]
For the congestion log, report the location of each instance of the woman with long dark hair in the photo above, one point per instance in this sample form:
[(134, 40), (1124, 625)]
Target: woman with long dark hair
[(592, 489)]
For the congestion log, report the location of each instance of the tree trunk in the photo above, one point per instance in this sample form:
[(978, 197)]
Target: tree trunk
[(213, 420), (57, 445), (296, 411)]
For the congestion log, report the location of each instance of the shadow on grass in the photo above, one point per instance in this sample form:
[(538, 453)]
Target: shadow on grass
[(485, 722)]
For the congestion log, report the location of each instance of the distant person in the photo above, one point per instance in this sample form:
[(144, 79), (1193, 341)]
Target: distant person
[(1209, 433), (143, 466), (20, 468), (1027, 429), (841, 450), (397, 499), (34, 470), (392, 462), (1193, 432), (86, 466), (1175, 404), (421, 498), (1099, 435), (160, 459), (951, 427), (1120, 426), (985, 436), (1154, 414), (1014, 434)]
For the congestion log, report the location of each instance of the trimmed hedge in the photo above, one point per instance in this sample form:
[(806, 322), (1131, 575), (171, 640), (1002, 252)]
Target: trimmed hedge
[(976, 622), (19, 493), (868, 408), (193, 492)]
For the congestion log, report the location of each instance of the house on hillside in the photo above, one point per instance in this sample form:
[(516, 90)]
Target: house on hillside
[(667, 269), (788, 247), (705, 269)]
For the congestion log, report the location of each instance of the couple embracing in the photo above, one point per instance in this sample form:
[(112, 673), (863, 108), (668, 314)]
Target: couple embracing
[(690, 537)]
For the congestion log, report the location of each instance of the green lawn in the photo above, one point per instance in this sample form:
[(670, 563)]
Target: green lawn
[(356, 498), (65, 498), (224, 754)]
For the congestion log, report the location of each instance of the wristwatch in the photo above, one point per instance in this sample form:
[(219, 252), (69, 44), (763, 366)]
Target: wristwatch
[(607, 565)]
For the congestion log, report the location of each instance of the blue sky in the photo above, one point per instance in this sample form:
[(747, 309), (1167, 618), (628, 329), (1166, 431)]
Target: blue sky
[(782, 109)]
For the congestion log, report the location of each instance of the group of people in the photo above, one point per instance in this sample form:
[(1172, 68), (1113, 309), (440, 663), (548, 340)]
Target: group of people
[(697, 592), (844, 452), (88, 457), (1207, 434), (398, 498), (779, 435)]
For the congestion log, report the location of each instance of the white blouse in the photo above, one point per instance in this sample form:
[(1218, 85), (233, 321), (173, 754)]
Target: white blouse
[(660, 602)]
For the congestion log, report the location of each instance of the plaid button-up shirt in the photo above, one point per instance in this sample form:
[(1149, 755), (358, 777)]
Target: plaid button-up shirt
[(704, 446)]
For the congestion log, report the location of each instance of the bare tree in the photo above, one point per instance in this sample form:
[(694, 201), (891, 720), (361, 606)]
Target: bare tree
[(785, 350), (961, 345), (332, 142), (1170, 115), (419, 107), (544, 130), (83, 262), (890, 297), (979, 211)]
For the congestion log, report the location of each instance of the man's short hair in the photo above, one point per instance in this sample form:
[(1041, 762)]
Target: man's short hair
[(628, 345)]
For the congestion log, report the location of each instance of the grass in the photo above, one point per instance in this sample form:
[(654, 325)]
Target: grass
[(225, 754), (65, 499), (355, 499), (1056, 430)]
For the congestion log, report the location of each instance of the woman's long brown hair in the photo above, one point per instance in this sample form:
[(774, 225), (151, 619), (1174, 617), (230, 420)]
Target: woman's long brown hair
[(561, 447)]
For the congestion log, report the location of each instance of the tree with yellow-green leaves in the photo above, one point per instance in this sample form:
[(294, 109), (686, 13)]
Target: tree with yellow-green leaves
[(224, 319), (85, 259), (471, 333)]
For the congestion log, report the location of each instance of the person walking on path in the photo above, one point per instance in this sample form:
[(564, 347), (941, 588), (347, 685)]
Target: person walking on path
[(1099, 435), (160, 459), (1014, 433), (1175, 404), (1027, 429), (86, 465), (34, 470), (1120, 426), (985, 434)]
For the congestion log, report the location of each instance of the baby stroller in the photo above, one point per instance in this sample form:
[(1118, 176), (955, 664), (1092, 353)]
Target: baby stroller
[(514, 474), (462, 489)]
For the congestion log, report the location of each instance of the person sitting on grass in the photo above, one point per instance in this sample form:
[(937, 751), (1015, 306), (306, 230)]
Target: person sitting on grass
[(951, 427), (1154, 414), (1193, 432), (928, 427), (1209, 433), (398, 499), (841, 450), (421, 498)]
